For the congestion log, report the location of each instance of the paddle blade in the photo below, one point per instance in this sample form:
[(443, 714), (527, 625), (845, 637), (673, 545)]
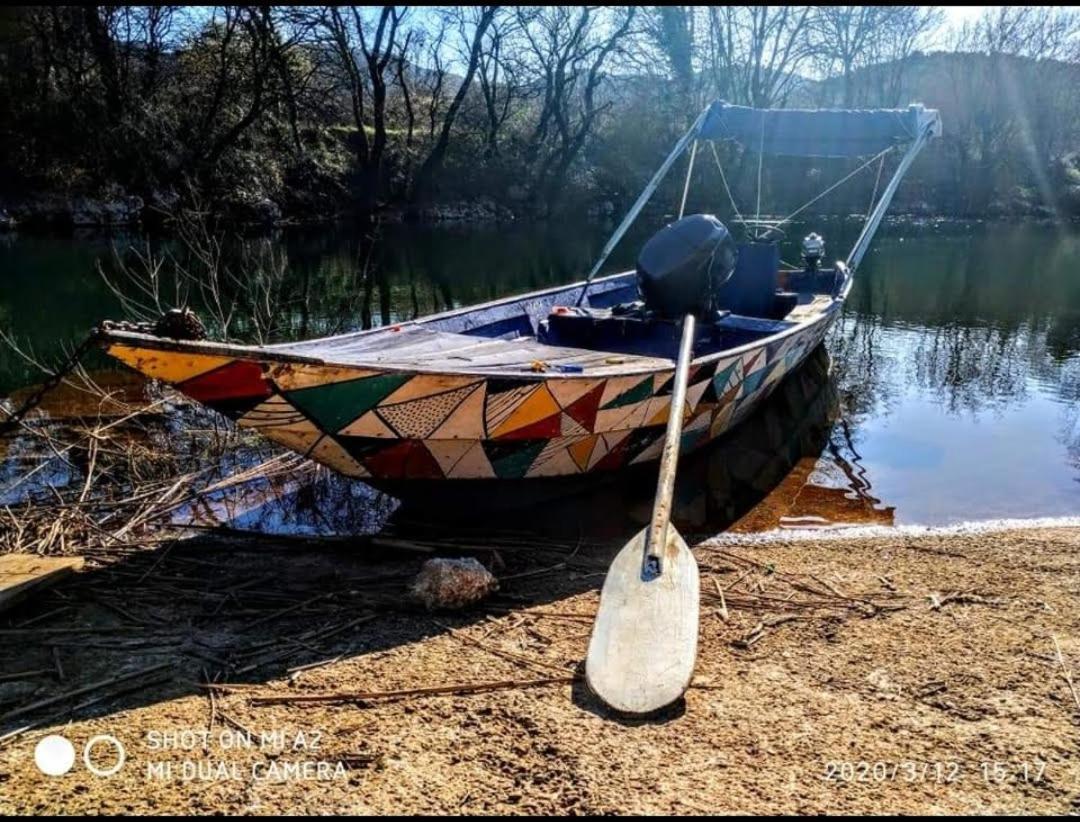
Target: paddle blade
[(644, 641)]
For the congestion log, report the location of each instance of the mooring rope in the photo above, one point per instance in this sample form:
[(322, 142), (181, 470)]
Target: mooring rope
[(176, 323), (15, 418)]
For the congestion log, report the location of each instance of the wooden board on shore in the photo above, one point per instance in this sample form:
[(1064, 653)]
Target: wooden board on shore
[(20, 574)]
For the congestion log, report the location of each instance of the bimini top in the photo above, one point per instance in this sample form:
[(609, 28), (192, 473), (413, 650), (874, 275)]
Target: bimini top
[(818, 132)]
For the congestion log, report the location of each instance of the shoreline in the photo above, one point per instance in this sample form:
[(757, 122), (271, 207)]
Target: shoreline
[(842, 532), (900, 673), (479, 212)]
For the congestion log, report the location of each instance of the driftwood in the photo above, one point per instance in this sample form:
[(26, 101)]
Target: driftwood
[(23, 574)]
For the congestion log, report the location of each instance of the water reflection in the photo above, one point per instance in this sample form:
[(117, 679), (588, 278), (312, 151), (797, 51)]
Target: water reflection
[(957, 360), (787, 466)]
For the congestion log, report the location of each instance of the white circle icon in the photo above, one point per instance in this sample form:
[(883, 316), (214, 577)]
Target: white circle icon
[(54, 755), (109, 739)]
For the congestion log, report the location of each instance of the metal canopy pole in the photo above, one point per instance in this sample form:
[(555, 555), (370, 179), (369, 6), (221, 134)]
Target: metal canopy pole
[(689, 174), (632, 214), (871, 227)]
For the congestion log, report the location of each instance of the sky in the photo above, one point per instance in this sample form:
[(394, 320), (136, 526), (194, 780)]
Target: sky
[(958, 15)]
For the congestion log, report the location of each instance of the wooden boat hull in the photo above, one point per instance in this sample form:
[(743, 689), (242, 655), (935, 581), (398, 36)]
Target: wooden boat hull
[(395, 424)]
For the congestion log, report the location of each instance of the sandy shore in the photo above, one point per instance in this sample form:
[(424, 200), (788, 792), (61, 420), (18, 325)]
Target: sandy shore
[(910, 673)]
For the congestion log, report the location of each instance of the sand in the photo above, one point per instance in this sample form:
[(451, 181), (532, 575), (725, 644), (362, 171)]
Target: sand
[(905, 673)]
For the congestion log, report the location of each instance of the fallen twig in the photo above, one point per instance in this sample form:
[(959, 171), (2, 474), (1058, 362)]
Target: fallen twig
[(1065, 670), (509, 655), (44, 703), (434, 690)]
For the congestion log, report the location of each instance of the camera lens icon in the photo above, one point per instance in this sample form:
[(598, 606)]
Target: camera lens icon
[(55, 755), (106, 741)]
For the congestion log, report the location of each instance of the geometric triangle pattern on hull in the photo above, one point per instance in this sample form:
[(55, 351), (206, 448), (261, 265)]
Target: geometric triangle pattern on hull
[(334, 405), (403, 425)]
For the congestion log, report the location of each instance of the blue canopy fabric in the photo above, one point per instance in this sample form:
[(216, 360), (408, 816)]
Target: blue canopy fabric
[(813, 132)]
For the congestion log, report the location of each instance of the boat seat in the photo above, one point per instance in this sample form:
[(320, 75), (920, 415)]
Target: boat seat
[(751, 288), (643, 335), (602, 329)]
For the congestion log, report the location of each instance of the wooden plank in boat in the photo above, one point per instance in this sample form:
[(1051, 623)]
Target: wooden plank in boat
[(20, 574), (414, 347), (355, 342), (806, 311), (402, 345)]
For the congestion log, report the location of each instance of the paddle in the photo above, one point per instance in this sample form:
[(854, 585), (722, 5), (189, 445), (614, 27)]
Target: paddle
[(644, 641)]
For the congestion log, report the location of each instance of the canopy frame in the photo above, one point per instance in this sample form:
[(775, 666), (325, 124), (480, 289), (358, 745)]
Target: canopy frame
[(926, 124)]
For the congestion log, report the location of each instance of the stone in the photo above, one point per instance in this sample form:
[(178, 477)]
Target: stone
[(450, 584)]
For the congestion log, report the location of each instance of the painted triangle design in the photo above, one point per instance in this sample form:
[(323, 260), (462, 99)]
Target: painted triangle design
[(329, 452), (752, 381), (370, 425), (582, 451), (535, 407), (466, 422), (694, 392), (555, 460), (298, 440), (360, 448), (585, 407), (289, 376), (497, 407), (448, 452), (667, 387), (473, 465), (232, 389), (275, 412), (334, 405), (568, 426), (569, 390), (418, 418), (429, 385), (511, 458), (172, 369), (405, 459), (637, 393), (721, 378), (546, 429)]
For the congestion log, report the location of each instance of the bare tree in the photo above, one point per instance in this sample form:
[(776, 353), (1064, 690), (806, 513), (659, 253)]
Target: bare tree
[(842, 36), (905, 34), (869, 48), (498, 72), (760, 50), (401, 68), (671, 30), (479, 20), (570, 47), (364, 50)]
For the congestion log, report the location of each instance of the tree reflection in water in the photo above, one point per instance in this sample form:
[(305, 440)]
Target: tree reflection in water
[(957, 360)]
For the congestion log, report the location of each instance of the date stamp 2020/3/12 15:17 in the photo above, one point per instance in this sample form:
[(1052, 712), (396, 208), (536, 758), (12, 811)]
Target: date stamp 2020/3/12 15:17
[(1002, 772)]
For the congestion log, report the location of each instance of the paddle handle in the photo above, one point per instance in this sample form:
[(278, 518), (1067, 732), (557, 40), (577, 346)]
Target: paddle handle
[(652, 564)]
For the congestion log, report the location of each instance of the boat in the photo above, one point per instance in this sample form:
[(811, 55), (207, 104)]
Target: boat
[(570, 381)]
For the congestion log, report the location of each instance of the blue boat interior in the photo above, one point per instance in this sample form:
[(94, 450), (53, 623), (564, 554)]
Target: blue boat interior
[(757, 301)]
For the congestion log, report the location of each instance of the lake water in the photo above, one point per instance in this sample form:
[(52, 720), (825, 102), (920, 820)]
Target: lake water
[(954, 391)]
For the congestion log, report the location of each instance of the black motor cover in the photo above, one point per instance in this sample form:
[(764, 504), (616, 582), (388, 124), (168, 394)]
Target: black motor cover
[(682, 266)]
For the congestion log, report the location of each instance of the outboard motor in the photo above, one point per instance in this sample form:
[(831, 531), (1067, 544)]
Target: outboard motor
[(682, 267), (813, 249)]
